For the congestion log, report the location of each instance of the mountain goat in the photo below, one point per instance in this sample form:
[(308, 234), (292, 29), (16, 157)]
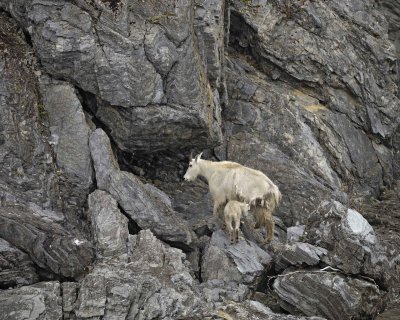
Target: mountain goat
[(232, 214), (232, 181)]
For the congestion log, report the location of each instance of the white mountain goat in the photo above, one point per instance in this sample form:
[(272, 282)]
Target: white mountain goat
[(232, 214), (232, 181)]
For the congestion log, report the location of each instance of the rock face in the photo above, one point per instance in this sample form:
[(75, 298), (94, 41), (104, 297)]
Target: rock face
[(101, 103), (143, 46)]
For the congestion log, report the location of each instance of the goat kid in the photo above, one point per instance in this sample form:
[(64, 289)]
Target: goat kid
[(232, 181), (232, 214)]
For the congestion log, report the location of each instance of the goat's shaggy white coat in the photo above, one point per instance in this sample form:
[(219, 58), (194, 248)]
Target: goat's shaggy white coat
[(232, 181), (232, 214)]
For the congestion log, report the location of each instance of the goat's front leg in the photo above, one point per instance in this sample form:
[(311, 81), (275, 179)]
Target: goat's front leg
[(217, 205)]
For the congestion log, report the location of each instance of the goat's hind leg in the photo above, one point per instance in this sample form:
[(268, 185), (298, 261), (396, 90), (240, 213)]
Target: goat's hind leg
[(269, 226)]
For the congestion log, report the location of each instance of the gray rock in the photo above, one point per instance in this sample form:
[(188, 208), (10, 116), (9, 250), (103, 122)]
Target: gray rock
[(16, 268), (254, 310), (334, 98), (217, 291), (209, 23), (350, 240), (300, 253), (38, 301), (50, 245), (242, 262), (109, 225), (69, 292), (328, 295), (70, 143), (294, 234), (154, 284), (139, 61), (26, 165), (142, 204), (69, 130)]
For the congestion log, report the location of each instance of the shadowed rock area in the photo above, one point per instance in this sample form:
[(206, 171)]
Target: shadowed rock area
[(103, 101)]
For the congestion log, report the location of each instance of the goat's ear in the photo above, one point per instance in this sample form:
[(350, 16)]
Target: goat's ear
[(191, 155), (198, 156)]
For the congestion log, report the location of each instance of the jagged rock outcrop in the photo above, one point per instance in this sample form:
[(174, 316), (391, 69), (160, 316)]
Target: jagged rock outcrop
[(351, 242), (253, 310), (143, 205), (338, 297)]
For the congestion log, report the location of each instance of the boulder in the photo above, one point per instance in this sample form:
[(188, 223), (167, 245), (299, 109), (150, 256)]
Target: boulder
[(109, 225), (254, 310), (298, 254), (328, 295), (242, 262), (350, 240)]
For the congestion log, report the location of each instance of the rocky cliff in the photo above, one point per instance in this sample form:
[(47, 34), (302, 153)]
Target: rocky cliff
[(101, 102)]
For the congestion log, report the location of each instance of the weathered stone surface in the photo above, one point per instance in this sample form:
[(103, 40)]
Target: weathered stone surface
[(298, 254), (216, 291), (141, 60), (350, 240), (338, 297), (109, 225), (70, 143), (26, 166), (36, 302), (69, 292), (309, 92), (69, 130), (278, 142), (48, 243), (209, 23), (16, 268), (254, 310), (142, 204), (320, 103), (295, 234), (155, 283), (242, 262)]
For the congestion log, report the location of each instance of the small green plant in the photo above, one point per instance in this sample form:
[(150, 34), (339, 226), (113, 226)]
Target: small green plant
[(42, 112), (158, 18)]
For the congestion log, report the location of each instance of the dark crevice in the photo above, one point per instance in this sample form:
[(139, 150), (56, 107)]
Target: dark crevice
[(47, 275), (199, 275), (179, 245), (133, 227)]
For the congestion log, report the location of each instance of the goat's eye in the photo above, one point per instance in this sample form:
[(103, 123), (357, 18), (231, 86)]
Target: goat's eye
[(190, 165)]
